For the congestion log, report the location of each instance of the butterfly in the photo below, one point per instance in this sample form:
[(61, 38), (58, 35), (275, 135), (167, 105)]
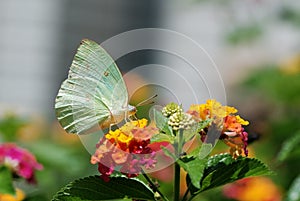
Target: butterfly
[(94, 94)]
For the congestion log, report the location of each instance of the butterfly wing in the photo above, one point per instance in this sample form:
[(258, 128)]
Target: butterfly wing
[(94, 88)]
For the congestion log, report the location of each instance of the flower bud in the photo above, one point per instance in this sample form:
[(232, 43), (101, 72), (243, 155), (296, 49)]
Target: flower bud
[(170, 109), (181, 120)]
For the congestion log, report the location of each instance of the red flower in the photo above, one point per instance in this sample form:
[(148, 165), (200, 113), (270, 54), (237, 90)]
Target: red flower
[(106, 168), (226, 125), (127, 149), (19, 160)]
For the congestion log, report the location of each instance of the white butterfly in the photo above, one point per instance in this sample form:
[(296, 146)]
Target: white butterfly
[(94, 94)]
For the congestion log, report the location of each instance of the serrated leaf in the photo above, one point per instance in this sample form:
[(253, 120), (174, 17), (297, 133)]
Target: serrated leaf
[(6, 184), (162, 122), (288, 146), (221, 170), (220, 158), (294, 193), (195, 168), (93, 188)]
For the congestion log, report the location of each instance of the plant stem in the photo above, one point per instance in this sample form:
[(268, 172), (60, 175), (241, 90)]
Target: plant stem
[(153, 186), (178, 150), (177, 182)]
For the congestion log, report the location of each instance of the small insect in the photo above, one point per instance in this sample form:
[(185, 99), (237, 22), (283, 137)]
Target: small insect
[(93, 74)]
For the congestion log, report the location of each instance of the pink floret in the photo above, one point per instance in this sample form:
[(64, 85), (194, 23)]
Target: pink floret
[(19, 160)]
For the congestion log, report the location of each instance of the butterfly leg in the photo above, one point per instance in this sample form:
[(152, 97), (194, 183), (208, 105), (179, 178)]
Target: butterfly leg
[(112, 122), (133, 118), (110, 125), (129, 116), (126, 117)]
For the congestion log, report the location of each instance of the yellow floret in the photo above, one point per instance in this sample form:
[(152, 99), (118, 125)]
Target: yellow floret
[(20, 195), (113, 134), (142, 123), (124, 138), (215, 108), (241, 121), (230, 110)]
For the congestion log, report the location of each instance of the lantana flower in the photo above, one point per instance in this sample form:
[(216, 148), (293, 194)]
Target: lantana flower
[(20, 161), (125, 149), (20, 195), (253, 189), (177, 118), (224, 119)]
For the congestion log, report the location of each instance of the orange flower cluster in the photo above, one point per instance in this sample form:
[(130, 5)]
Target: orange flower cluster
[(226, 121), (253, 189), (125, 148)]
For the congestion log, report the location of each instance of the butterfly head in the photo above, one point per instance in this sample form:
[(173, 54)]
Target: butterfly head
[(131, 110)]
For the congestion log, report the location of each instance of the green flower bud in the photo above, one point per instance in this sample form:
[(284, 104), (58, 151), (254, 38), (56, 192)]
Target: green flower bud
[(181, 120), (171, 109)]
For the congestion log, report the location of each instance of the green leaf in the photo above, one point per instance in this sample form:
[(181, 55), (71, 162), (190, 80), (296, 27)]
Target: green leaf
[(194, 167), (220, 158), (10, 125), (294, 193), (203, 124), (223, 169), (58, 157), (205, 149), (6, 184), (269, 81), (195, 152), (288, 146), (161, 137), (189, 133), (38, 197), (94, 188), (162, 122)]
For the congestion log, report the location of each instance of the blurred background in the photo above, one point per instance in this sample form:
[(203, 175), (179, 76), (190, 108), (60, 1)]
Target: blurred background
[(254, 43)]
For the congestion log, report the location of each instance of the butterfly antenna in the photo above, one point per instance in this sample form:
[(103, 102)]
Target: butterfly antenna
[(148, 101)]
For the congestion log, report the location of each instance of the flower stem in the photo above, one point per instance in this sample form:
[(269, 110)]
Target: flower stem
[(178, 150), (177, 182), (153, 186)]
